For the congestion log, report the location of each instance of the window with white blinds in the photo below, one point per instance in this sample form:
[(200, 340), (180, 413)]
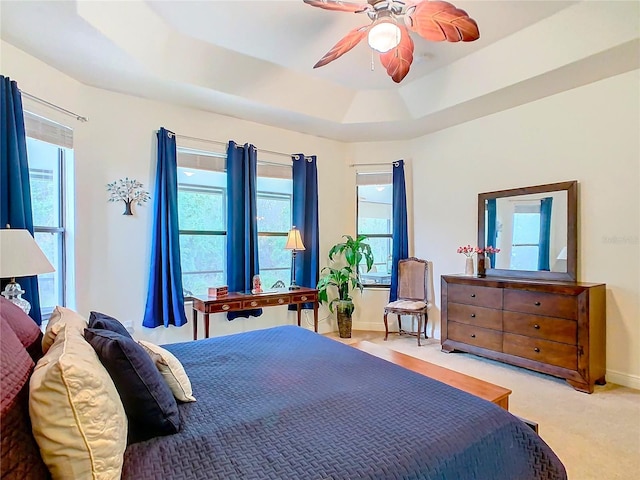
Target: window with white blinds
[(202, 217), (374, 219), (46, 130), (49, 153)]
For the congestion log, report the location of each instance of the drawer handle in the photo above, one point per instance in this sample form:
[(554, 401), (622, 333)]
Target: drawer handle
[(473, 335), (473, 315), (280, 300), (303, 298), (536, 326), (225, 307), (537, 350), (473, 295), (537, 304), (254, 304)]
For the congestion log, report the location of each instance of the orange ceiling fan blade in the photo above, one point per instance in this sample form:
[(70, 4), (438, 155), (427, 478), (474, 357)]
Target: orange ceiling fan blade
[(344, 45), (354, 7), (398, 60), (439, 21)]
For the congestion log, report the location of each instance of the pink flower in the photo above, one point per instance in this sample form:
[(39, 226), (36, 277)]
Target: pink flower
[(468, 250)]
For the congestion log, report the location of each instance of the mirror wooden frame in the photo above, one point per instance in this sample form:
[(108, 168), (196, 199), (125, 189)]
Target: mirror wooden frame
[(571, 188)]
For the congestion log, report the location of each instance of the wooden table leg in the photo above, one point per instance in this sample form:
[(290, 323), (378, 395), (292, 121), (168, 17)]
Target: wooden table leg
[(299, 309), (206, 325), (195, 324), (315, 316)]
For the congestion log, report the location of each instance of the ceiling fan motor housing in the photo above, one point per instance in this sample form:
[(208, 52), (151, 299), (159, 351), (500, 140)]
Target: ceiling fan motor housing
[(385, 7)]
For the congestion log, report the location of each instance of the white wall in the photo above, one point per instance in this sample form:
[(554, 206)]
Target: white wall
[(112, 251), (589, 134)]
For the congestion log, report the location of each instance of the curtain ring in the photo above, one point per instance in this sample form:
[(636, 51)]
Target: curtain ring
[(396, 164), (170, 134), (297, 156), (308, 159)]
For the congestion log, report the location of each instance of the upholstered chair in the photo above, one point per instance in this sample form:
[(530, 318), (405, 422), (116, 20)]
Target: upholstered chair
[(413, 293)]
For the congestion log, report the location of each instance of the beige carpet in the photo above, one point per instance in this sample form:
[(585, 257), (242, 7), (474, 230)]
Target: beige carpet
[(596, 436)]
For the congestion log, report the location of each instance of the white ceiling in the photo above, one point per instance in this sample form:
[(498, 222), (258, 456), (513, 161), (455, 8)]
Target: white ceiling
[(254, 59)]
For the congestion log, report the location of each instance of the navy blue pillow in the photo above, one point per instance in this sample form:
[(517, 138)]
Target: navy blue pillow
[(148, 402), (105, 322)]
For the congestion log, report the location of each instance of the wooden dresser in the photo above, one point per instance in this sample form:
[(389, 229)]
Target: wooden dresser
[(552, 327)]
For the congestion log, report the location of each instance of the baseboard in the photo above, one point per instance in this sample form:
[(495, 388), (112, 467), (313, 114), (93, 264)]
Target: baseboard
[(624, 379), (369, 326)]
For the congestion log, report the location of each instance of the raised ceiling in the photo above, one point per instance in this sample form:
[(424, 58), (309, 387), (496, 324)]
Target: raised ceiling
[(253, 59)]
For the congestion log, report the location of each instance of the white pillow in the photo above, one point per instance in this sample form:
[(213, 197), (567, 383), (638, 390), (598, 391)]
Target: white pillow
[(172, 371), (76, 413), (60, 317)]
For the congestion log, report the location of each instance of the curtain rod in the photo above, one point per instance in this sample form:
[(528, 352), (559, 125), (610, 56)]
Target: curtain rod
[(54, 106), (217, 142)]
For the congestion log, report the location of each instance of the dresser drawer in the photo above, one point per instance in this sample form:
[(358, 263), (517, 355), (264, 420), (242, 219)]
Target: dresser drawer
[(540, 303), (473, 295), (544, 351), (547, 328), (472, 335), (473, 315)]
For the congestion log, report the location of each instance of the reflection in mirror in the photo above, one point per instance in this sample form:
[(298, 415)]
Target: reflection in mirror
[(534, 229), (529, 230)]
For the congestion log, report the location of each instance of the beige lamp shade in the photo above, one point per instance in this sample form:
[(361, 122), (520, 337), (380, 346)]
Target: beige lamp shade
[(294, 240), (20, 255)]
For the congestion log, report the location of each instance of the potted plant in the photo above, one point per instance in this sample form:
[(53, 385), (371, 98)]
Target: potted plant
[(338, 281)]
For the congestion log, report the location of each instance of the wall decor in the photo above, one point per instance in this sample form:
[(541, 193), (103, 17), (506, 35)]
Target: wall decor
[(129, 191)]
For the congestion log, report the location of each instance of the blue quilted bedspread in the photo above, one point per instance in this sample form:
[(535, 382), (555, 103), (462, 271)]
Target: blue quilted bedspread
[(286, 403)]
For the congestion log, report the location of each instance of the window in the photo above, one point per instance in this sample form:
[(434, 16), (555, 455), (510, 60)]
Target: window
[(202, 211), (202, 217), (49, 151), (275, 193), (375, 220), (526, 237)]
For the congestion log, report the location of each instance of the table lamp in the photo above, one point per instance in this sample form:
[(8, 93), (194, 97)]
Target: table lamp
[(20, 256), (294, 243)]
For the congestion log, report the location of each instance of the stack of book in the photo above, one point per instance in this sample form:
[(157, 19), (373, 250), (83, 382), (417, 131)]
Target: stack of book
[(220, 291)]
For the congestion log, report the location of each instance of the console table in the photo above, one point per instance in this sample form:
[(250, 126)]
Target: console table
[(236, 301)]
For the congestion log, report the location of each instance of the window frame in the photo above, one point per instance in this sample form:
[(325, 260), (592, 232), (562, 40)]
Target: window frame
[(223, 191), (526, 208), (222, 233), (388, 236), (289, 197), (61, 230)]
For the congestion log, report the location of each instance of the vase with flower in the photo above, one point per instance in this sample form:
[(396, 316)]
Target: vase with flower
[(469, 252), (489, 252)]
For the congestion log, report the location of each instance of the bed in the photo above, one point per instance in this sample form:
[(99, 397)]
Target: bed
[(286, 403)]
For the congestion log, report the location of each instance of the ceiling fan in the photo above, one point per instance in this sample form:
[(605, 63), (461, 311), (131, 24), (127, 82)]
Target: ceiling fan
[(391, 21)]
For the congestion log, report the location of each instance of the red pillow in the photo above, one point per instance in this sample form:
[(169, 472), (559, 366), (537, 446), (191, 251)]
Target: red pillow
[(15, 365), (27, 331), (19, 453)]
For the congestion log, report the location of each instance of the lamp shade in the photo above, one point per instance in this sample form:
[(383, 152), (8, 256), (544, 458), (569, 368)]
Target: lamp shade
[(384, 35), (20, 255), (294, 240)]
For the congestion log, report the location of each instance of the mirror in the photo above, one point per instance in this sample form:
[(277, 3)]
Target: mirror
[(535, 229)]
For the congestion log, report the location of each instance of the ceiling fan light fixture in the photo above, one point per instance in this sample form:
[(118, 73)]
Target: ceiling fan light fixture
[(384, 35)]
